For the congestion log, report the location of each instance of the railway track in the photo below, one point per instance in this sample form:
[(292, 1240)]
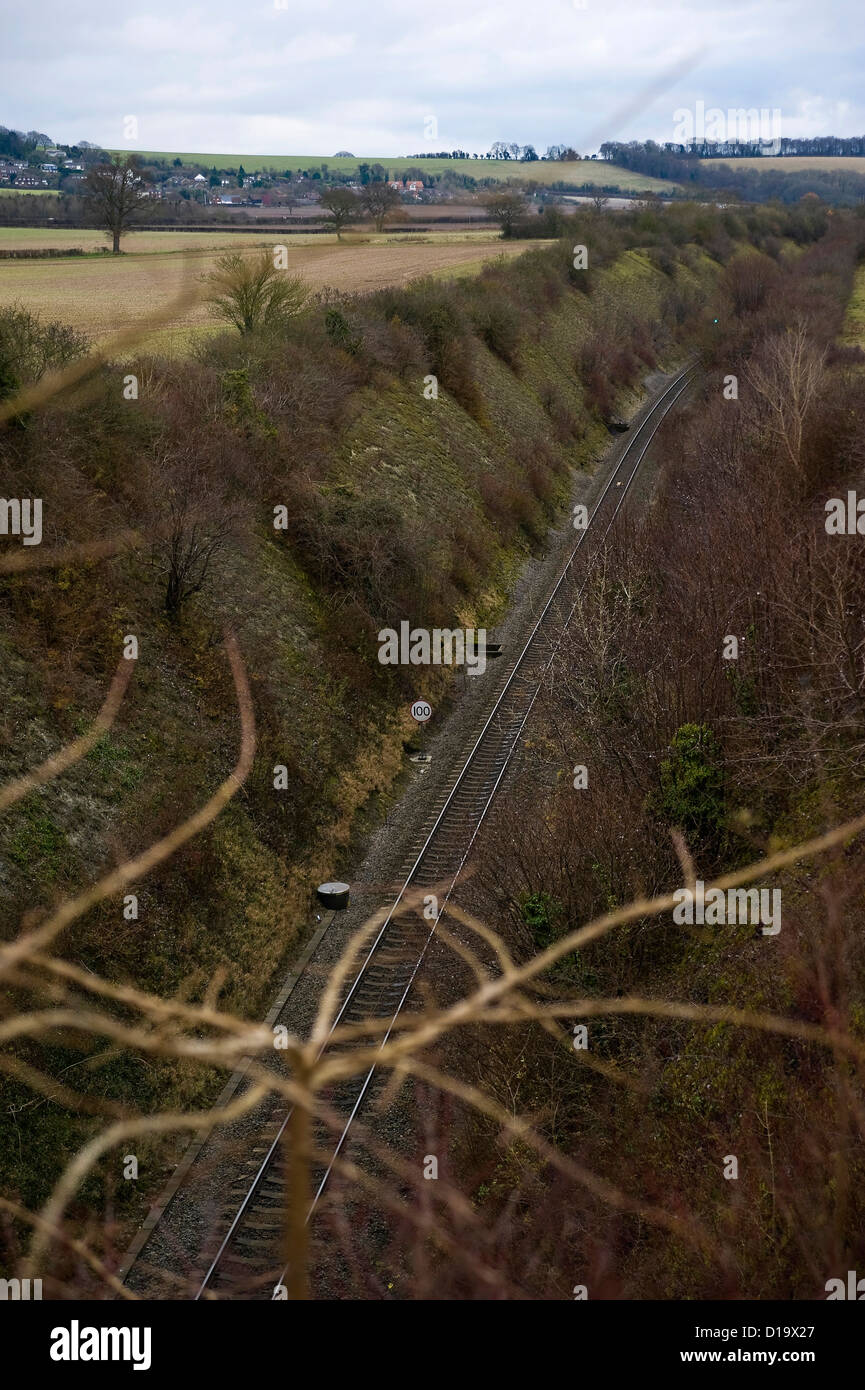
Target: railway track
[(248, 1262)]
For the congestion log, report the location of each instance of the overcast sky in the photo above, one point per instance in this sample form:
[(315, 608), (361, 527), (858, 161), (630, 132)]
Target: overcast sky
[(317, 76)]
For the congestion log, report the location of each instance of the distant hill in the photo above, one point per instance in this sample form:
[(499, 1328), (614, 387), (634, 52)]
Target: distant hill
[(595, 172)]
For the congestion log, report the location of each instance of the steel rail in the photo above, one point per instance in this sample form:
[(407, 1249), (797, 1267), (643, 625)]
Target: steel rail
[(489, 801), (659, 409)]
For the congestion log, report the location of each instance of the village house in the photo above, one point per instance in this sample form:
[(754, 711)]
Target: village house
[(11, 170)]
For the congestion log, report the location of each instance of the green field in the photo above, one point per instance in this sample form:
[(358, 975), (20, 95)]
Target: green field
[(40, 192), (581, 171)]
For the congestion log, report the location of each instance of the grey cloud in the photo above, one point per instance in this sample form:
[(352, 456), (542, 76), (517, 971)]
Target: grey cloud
[(316, 76)]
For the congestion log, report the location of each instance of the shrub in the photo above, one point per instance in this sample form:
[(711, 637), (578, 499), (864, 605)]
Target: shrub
[(437, 314), (29, 347), (339, 331), (594, 369), (470, 557), (691, 793), (240, 404), (538, 280), (393, 345), (540, 482), (664, 259), (250, 293), (497, 323), (9, 382), (358, 546), (748, 279), (541, 914)]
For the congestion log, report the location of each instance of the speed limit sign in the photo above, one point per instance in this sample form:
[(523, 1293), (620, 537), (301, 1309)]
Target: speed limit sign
[(421, 711)]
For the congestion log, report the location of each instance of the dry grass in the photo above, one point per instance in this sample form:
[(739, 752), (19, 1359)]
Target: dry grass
[(854, 320), (90, 239), (104, 295), (794, 164)]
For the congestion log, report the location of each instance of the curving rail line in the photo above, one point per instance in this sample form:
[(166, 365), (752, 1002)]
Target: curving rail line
[(388, 971)]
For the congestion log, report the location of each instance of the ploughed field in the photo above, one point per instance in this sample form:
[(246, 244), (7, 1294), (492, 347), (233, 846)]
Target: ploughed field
[(795, 163), (102, 294)]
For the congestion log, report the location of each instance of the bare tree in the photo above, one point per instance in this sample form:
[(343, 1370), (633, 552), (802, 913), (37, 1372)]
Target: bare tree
[(379, 199), (506, 205), (343, 208), (748, 279), (117, 188), (192, 521), (787, 374)]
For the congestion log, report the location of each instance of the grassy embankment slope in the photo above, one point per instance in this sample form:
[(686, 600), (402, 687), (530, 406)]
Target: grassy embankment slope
[(854, 320), (383, 484)]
